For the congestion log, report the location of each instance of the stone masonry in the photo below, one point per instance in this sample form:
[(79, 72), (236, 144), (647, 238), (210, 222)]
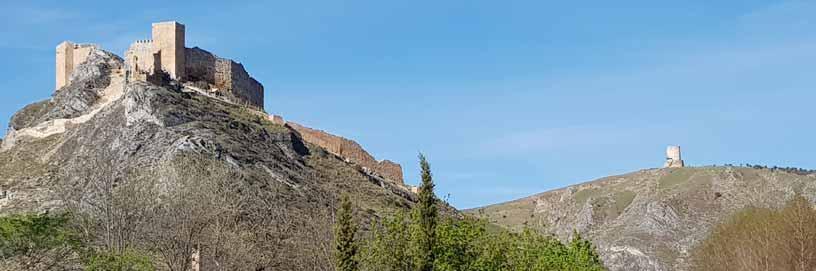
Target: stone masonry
[(347, 149), (166, 57), (673, 159), (68, 57), (222, 76)]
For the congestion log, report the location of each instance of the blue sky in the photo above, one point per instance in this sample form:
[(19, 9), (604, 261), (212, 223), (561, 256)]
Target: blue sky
[(506, 98)]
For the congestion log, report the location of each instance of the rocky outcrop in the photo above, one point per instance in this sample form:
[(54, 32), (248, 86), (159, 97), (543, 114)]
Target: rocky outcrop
[(286, 189), (87, 84), (651, 219), (349, 150)]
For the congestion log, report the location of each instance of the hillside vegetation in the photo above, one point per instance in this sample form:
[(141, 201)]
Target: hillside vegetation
[(163, 173), (762, 239), (652, 219)]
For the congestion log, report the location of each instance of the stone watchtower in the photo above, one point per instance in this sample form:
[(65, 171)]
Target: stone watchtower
[(673, 159), (168, 42), (70, 55)]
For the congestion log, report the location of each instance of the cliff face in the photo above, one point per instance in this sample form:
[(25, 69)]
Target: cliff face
[(350, 150), (650, 219), (100, 135)]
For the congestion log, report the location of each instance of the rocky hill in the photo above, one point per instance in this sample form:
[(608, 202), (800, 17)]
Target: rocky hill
[(102, 135), (651, 219)]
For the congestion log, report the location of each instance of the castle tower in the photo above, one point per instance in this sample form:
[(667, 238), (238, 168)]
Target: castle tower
[(673, 159), (168, 41), (65, 64), (70, 55)]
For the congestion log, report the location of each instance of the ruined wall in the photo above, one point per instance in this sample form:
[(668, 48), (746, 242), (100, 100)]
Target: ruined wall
[(200, 66), (349, 150), (224, 76), (140, 59), (244, 87), (390, 170)]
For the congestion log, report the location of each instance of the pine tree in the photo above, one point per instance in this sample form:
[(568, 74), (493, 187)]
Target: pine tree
[(345, 248), (425, 219)]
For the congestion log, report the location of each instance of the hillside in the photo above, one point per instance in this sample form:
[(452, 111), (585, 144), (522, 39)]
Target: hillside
[(650, 219), (101, 135)]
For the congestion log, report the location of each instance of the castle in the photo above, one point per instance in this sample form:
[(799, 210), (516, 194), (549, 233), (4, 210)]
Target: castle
[(673, 157), (165, 57)]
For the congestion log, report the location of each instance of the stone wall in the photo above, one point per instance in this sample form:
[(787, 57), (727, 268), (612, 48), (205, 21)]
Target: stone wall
[(244, 87), (140, 59), (349, 150), (222, 76)]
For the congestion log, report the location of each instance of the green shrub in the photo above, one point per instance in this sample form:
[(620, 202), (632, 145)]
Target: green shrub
[(126, 261), (38, 241)]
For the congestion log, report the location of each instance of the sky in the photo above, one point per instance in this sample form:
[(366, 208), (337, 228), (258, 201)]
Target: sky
[(505, 98)]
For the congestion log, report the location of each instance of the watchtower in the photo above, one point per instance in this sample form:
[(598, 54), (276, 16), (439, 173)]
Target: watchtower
[(168, 41), (70, 55), (673, 159)]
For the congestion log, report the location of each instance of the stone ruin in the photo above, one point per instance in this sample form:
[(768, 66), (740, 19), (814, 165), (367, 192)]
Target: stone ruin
[(673, 158), (70, 55), (166, 57), (347, 149)]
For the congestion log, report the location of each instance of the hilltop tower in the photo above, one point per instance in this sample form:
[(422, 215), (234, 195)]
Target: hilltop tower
[(70, 55), (168, 40), (673, 159)]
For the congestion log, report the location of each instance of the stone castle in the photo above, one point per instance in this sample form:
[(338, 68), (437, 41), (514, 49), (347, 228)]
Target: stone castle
[(165, 57), (673, 157)]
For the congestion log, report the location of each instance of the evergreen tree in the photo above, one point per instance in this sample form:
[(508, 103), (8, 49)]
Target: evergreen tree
[(425, 219), (582, 254), (345, 248)]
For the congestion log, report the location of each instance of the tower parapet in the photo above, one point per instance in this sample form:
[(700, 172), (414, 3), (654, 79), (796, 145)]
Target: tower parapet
[(673, 159)]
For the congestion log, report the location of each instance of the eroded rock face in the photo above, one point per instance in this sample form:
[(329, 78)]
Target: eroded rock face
[(350, 150), (87, 83), (651, 219)]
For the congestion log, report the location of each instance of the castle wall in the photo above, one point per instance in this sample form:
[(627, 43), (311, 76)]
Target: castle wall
[(168, 40), (349, 150), (140, 59), (224, 76), (244, 87), (200, 66), (146, 59)]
